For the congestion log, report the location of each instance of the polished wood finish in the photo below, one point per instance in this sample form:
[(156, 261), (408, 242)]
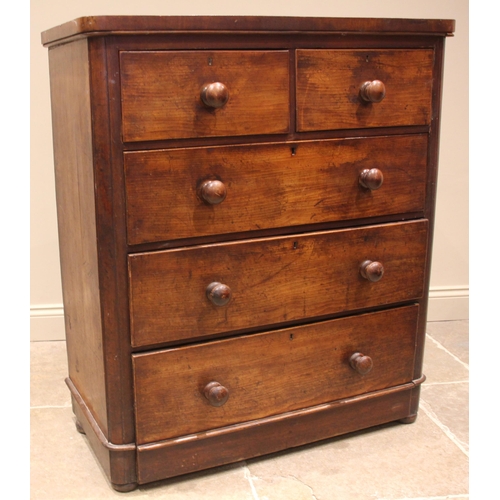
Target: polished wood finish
[(372, 271), (372, 178), (213, 192), (72, 133), (246, 208), (216, 394), (109, 25), (218, 293), (361, 363), (271, 280), (163, 94), (372, 91), (214, 95), (269, 185), (329, 82), (270, 373)]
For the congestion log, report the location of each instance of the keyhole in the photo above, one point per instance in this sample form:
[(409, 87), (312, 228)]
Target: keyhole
[(294, 151)]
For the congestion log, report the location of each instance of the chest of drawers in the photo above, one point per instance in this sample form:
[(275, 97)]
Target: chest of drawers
[(245, 210)]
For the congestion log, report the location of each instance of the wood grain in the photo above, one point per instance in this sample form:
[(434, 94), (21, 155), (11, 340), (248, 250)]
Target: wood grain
[(270, 186), (254, 186), (72, 135), (329, 81), (111, 25), (270, 373), (161, 93), (273, 280), (256, 438)]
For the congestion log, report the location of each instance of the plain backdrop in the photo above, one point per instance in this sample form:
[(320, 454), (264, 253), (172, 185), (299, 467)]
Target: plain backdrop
[(450, 260)]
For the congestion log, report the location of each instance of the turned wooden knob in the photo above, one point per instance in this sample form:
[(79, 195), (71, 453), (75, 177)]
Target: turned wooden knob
[(216, 394), (371, 270), (372, 91), (213, 192), (371, 178), (215, 95), (361, 363), (218, 293)]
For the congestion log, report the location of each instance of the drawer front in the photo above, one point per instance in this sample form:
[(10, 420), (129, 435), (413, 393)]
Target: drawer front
[(270, 373), (329, 83), (271, 281), (170, 193), (161, 94)]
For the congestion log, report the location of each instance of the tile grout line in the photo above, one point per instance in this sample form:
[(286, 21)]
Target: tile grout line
[(441, 346), (446, 497), (49, 407), (249, 478), (452, 382), (428, 411)]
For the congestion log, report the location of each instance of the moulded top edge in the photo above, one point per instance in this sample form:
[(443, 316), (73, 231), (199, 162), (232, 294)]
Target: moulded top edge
[(109, 25)]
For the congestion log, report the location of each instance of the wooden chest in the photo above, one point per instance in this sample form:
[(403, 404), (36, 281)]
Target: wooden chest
[(245, 210)]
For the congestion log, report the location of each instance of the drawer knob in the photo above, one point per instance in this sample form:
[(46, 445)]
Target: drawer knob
[(218, 293), (361, 363), (371, 178), (215, 95), (372, 91), (213, 192), (371, 270), (216, 393)]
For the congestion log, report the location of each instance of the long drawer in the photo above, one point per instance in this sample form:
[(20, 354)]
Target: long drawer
[(330, 83), (200, 387), (184, 94), (181, 193), (210, 289)]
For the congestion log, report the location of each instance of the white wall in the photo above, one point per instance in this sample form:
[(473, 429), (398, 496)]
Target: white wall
[(449, 294)]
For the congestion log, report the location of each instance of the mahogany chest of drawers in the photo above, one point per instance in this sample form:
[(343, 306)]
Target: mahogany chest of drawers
[(245, 209)]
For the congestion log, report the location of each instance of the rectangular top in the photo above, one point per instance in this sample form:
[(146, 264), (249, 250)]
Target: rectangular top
[(124, 25)]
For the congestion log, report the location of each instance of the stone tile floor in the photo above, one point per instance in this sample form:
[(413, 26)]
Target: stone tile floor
[(427, 460)]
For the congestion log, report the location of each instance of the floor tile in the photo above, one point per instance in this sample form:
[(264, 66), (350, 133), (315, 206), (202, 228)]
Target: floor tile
[(390, 462), (48, 371), (453, 335), (64, 468), (442, 366), (423, 460), (222, 483), (449, 403)]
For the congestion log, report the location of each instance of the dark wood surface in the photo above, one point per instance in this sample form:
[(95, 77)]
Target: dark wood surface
[(272, 280), (234, 443), (270, 186), (230, 177), (107, 25), (270, 373), (161, 94), (329, 83), (72, 136)]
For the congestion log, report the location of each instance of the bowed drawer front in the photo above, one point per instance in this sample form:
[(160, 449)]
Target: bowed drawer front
[(245, 210), (236, 380)]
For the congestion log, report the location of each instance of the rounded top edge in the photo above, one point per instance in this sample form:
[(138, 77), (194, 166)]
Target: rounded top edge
[(111, 25)]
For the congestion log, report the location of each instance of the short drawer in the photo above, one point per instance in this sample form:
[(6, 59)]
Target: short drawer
[(193, 292), (201, 387), (184, 193), (163, 92), (330, 95)]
